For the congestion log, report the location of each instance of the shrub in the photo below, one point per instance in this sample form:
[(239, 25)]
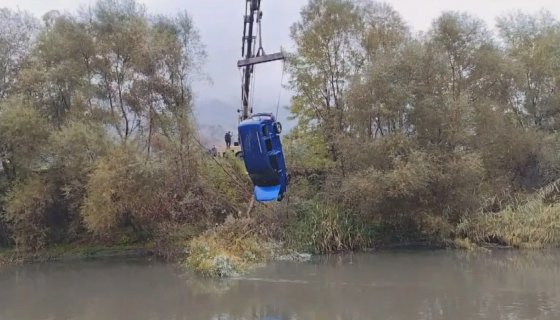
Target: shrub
[(227, 250), (122, 193), (27, 208), (23, 137), (228, 179)]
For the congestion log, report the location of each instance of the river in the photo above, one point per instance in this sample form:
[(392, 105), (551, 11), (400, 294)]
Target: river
[(442, 284)]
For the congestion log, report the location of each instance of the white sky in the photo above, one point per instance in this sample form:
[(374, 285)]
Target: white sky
[(220, 24)]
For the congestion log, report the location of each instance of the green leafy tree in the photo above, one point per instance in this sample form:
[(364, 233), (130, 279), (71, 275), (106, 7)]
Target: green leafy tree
[(532, 44), (17, 30), (327, 39)]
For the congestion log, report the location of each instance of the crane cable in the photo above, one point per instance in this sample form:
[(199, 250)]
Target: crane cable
[(234, 179), (240, 184), (280, 90), (252, 85), (204, 149)]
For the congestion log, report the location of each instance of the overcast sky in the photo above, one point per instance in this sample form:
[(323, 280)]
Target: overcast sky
[(220, 24)]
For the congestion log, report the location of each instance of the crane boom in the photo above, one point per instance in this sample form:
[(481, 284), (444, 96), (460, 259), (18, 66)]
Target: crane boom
[(252, 10)]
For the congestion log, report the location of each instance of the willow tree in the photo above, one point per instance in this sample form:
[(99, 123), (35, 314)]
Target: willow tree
[(146, 65), (17, 32), (56, 78), (327, 55), (443, 110), (532, 43), (378, 91), (102, 98)]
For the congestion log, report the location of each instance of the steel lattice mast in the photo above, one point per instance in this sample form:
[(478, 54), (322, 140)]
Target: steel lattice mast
[(252, 14)]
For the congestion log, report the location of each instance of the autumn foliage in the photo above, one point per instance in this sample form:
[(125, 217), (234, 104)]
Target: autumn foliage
[(401, 136)]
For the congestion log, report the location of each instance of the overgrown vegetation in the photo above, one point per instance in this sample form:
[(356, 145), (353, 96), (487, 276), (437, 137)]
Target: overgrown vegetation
[(320, 228), (423, 137), (97, 144), (228, 250), (440, 137), (532, 223)]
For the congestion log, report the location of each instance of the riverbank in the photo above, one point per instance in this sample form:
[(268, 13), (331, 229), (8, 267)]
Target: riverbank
[(238, 245), (77, 252), (218, 268), (217, 265)]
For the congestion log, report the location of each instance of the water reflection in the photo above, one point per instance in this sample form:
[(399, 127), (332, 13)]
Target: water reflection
[(404, 285)]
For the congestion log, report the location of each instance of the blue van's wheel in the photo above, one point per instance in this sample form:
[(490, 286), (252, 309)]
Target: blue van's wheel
[(277, 126)]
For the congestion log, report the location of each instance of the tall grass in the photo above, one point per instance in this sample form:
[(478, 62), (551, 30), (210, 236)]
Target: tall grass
[(533, 224), (323, 228)]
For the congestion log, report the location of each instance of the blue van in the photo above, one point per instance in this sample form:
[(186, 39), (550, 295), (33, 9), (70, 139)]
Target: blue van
[(259, 137)]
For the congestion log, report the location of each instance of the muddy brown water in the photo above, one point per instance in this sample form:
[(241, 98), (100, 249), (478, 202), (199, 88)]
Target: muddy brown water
[(442, 284)]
